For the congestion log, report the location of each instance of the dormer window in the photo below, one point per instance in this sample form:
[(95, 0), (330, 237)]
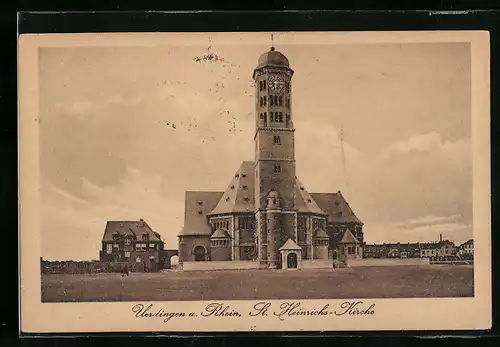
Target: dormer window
[(232, 186), (246, 199), (243, 175), (237, 175), (200, 202), (245, 186), (200, 212), (301, 188), (227, 199), (309, 200)]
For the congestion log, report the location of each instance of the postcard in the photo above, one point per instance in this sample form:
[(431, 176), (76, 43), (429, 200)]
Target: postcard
[(221, 182)]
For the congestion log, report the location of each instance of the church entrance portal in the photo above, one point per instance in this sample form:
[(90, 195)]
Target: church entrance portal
[(291, 261), (199, 253)]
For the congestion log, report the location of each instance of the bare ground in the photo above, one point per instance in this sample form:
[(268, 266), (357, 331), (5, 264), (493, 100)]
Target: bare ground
[(360, 282)]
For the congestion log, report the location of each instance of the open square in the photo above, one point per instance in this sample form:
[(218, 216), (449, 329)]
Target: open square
[(361, 282)]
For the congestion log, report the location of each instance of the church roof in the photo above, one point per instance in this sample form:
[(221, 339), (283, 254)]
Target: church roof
[(273, 58), (197, 206), (239, 195), (239, 198), (220, 234), (320, 234), (348, 237), (290, 245), (337, 208), (304, 202), (132, 229)]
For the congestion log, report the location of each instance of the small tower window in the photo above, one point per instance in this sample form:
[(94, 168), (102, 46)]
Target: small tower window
[(264, 84), (276, 99), (261, 116), (245, 186), (287, 117), (281, 116), (277, 168), (277, 140), (271, 100), (265, 117), (272, 116), (280, 100), (261, 101), (260, 85), (265, 100)]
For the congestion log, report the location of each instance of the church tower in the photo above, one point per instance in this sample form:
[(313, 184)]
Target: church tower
[(274, 156)]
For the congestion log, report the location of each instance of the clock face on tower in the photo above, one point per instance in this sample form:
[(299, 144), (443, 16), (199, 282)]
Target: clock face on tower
[(276, 83)]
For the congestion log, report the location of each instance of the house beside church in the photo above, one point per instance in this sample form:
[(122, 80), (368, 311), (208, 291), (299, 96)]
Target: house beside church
[(132, 242), (266, 215)]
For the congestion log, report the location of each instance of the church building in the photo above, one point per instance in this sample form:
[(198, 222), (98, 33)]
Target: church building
[(266, 215)]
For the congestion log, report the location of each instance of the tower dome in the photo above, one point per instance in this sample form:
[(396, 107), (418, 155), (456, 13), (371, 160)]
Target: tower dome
[(273, 58)]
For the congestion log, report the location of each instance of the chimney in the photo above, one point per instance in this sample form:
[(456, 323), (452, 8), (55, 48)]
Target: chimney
[(440, 237), (141, 223)]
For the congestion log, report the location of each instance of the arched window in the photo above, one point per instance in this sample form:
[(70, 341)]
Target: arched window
[(276, 99), (261, 101), (272, 116), (261, 116), (277, 140), (260, 85), (265, 100), (264, 83), (280, 100), (271, 100), (265, 117), (281, 116)]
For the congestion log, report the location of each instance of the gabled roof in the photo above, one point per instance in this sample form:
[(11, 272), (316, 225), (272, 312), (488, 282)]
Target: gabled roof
[(239, 195), (348, 237), (290, 245), (132, 229), (320, 234), (220, 234), (467, 243), (197, 206), (304, 202), (337, 208)]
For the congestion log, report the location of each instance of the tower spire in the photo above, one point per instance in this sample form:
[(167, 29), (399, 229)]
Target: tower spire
[(272, 42)]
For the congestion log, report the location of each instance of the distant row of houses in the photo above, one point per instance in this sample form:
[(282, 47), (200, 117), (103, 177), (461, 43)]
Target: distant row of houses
[(438, 249)]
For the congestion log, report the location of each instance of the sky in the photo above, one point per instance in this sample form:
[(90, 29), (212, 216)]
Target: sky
[(125, 131)]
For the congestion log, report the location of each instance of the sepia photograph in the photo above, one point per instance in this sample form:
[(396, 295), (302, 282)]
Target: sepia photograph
[(256, 167)]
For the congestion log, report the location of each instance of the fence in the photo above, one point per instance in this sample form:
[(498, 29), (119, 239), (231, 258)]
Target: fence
[(452, 262), (87, 267), (387, 262), (220, 265)]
